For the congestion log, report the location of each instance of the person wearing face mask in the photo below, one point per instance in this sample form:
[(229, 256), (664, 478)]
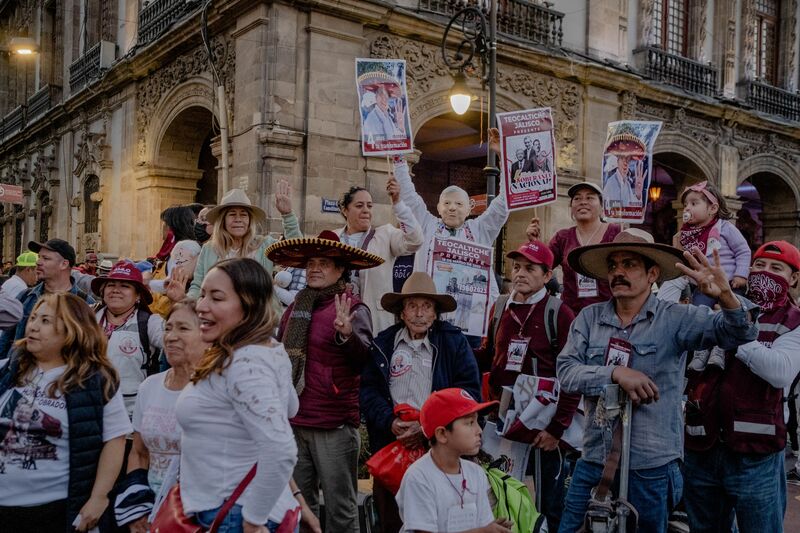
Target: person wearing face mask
[(384, 241), (235, 222), (736, 418), (202, 228), (408, 361), (454, 207)]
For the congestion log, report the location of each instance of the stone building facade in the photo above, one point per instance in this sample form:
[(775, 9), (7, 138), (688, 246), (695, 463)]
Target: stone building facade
[(116, 118)]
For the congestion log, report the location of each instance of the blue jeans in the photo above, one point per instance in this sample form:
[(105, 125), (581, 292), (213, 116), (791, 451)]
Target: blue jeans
[(653, 492), (233, 523), (720, 481)]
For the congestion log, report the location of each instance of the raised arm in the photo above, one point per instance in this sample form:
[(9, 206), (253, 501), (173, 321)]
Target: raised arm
[(409, 195), (779, 364)]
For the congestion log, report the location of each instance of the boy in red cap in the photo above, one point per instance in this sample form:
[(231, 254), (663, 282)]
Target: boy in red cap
[(441, 491), (529, 329), (735, 434)]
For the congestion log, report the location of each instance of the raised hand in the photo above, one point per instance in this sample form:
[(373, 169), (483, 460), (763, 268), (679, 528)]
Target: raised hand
[(639, 179), (711, 279), (534, 229), (343, 321), (283, 197), (393, 188), (176, 287), (400, 116), (494, 140)]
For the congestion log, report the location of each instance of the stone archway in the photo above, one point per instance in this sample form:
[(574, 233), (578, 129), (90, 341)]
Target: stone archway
[(769, 189)]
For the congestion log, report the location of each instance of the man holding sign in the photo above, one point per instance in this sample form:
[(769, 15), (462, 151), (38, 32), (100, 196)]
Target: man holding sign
[(650, 337)]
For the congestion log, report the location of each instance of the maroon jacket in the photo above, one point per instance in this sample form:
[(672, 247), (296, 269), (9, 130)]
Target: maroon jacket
[(333, 368)]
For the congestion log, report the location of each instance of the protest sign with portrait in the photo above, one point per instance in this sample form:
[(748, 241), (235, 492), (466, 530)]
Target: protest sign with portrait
[(383, 107), (627, 167), (527, 151), (462, 269)]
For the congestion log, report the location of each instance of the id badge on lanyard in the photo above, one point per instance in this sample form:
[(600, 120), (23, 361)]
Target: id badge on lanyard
[(618, 352), (462, 518), (517, 348), (587, 287)]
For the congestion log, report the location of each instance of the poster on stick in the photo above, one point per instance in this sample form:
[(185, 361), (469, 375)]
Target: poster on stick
[(627, 168), (462, 269), (383, 107), (527, 148)]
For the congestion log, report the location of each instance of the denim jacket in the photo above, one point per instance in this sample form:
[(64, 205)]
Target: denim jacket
[(660, 334)]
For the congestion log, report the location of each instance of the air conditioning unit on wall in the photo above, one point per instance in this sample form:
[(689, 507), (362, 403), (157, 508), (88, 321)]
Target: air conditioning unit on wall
[(108, 54)]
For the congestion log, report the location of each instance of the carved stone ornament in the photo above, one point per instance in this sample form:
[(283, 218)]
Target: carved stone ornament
[(628, 105), (646, 22), (41, 173), (424, 65), (150, 90), (748, 25), (90, 154), (791, 56)]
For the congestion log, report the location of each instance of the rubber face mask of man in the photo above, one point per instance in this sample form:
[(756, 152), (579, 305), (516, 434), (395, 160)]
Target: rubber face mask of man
[(454, 207)]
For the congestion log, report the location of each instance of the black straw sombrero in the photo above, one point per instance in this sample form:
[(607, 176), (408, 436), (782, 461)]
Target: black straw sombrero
[(297, 252)]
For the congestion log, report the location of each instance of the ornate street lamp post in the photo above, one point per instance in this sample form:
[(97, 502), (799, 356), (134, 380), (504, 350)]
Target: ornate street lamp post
[(478, 39)]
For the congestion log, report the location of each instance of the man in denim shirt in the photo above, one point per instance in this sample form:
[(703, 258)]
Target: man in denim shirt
[(653, 336)]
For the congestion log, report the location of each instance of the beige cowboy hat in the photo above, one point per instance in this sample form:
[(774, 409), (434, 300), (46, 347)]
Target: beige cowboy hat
[(297, 252), (592, 260), (236, 198), (419, 285)]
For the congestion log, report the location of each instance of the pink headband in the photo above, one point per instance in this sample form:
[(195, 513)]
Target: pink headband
[(701, 188)]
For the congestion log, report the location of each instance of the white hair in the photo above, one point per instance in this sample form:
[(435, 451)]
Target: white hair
[(453, 189)]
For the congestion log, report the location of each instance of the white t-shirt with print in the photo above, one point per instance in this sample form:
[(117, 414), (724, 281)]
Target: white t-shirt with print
[(430, 500), (34, 441), (154, 420)]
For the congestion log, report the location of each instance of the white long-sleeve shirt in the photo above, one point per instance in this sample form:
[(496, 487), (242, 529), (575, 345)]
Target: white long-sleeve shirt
[(230, 422), (483, 229)]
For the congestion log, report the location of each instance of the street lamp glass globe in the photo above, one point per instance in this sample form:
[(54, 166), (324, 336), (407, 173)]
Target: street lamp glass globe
[(23, 46), (460, 103)]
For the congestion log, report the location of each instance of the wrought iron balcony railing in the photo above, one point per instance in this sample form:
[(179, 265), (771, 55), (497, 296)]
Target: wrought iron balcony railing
[(14, 121), (157, 17), (85, 68), (678, 71), (771, 100), (515, 18), (42, 100)]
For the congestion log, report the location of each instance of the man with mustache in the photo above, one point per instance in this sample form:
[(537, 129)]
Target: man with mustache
[(417, 356), (736, 417), (650, 338)]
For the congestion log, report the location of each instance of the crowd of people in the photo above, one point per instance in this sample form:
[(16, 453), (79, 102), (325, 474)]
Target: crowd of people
[(223, 381)]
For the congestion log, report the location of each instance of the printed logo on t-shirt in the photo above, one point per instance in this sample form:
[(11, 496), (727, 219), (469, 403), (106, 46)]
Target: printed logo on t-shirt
[(401, 363), (27, 433), (128, 346)]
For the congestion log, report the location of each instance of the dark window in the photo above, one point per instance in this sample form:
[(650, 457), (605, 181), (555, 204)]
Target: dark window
[(19, 227), (44, 216), (766, 31), (670, 25), (91, 209)]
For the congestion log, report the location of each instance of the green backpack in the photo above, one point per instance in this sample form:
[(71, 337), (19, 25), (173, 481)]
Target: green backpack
[(514, 502)]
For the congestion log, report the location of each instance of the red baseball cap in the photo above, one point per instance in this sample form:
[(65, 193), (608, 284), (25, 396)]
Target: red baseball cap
[(780, 251), (447, 405), (535, 252)]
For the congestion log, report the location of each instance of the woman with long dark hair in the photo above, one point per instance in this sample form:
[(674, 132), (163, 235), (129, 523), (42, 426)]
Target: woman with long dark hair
[(235, 412), (62, 422)]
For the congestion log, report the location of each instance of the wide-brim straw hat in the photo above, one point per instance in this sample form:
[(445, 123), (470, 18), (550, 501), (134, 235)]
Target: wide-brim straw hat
[(236, 198), (297, 252), (592, 260), (420, 285)]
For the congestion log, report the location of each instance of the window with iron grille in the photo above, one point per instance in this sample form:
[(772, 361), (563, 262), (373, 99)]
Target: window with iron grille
[(91, 209), (766, 32), (670, 25)]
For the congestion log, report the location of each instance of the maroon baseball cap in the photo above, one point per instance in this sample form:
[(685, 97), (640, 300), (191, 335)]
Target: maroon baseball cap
[(124, 271), (780, 251), (535, 252), (447, 405)]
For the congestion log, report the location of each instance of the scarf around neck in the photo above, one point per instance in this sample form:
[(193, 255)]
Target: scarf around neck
[(295, 339), (706, 238)]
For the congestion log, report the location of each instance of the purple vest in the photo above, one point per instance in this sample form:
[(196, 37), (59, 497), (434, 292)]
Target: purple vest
[(330, 396)]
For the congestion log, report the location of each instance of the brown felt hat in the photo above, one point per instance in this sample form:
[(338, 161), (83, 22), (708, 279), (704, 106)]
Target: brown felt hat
[(418, 285)]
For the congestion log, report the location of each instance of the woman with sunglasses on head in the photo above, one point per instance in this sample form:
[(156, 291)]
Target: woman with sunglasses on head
[(62, 422), (235, 412)]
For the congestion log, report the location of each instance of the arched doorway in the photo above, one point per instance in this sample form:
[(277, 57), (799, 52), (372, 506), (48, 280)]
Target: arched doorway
[(672, 172), (185, 148), (771, 206), (453, 153)]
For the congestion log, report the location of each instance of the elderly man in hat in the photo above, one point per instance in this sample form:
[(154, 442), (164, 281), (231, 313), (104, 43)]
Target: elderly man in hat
[(410, 360), (647, 339), (735, 418), (24, 275), (454, 207), (53, 268), (327, 332)]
